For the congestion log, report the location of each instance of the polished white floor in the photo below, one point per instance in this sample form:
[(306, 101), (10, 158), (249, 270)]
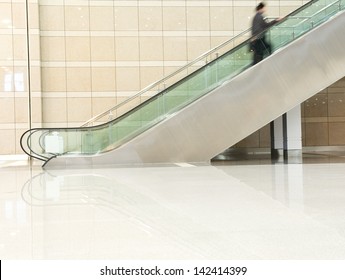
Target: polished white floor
[(263, 211)]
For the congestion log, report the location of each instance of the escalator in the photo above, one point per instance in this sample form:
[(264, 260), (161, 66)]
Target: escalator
[(210, 104)]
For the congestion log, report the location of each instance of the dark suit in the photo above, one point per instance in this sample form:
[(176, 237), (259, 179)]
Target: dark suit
[(260, 45)]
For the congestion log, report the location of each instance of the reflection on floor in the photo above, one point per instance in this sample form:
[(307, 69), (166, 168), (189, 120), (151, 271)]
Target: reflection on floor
[(247, 157), (256, 210)]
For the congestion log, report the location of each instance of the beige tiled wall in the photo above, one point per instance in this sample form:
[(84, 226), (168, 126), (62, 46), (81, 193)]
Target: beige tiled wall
[(109, 50), (16, 91), (324, 117)]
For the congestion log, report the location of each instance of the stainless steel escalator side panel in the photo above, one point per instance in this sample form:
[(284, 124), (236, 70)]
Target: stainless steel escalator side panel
[(239, 107)]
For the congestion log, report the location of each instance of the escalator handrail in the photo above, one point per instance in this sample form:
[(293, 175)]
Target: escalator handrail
[(305, 18), (31, 152)]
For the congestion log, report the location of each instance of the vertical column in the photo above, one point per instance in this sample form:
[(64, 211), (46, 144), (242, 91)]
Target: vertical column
[(20, 100), (288, 132), (34, 64)]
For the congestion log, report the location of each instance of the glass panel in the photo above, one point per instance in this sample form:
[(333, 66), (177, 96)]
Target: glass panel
[(299, 23)]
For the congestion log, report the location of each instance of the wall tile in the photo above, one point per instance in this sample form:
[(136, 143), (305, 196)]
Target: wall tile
[(336, 105), (150, 18), (198, 18), (337, 134), (6, 79), (175, 48), (127, 48), (174, 18), (36, 78), (78, 79), (78, 109), (316, 106), (52, 18), (126, 18), (102, 49), (6, 50), (78, 49), (54, 110), (221, 18), (53, 79), (36, 110), (21, 110), (34, 15), (5, 15), (20, 80), (244, 17), (77, 18), (53, 48), (7, 142), (19, 15), (7, 111), (127, 79), (19, 47), (35, 47), (151, 48), (101, 18), (103, 79), (197, 46), (316, 134)]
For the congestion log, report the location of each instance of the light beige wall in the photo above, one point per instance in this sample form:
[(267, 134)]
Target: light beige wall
[(14, 90), (323, 117), (98, 53)]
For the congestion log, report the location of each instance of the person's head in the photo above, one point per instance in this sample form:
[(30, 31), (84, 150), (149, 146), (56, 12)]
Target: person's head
[(261, 7)]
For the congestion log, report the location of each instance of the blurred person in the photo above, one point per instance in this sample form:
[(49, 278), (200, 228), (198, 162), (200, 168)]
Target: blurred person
[(259, 44)]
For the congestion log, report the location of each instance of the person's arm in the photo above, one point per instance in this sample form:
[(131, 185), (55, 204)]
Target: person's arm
[(260, 24), (266, 24), (270, 23)]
